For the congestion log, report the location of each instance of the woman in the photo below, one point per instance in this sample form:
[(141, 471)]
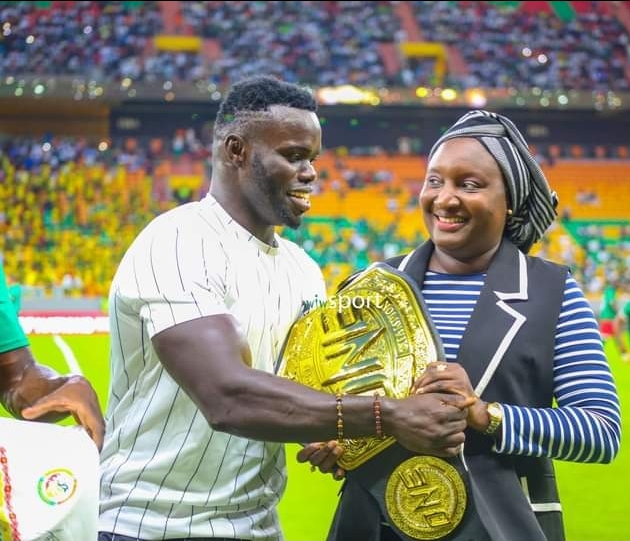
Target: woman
[(517, 333)]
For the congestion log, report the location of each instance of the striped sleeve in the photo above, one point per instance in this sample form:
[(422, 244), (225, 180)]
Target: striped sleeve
[(586, 424)]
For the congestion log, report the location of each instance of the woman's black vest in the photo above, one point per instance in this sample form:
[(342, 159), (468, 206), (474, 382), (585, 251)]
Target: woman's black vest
[(508, 346)]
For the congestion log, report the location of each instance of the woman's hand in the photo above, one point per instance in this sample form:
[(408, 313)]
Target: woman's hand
[(451, 378), (323, 455)]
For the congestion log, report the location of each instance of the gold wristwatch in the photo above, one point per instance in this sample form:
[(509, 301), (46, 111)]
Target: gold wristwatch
[(495, 414)]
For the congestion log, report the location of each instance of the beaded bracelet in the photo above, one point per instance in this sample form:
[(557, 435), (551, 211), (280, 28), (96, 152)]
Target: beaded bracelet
[(377, 416), (339, 418)]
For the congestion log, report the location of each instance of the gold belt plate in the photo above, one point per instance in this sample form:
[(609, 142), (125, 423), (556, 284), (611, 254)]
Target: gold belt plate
[(425, 497), (371, 336)]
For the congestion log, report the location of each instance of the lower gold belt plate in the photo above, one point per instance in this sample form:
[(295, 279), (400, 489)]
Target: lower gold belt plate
[(425, 497)]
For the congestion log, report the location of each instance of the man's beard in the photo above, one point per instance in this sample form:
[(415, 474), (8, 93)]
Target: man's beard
[(276, 201)]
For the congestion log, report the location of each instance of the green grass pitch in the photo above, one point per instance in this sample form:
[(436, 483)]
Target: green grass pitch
[(595, 498)]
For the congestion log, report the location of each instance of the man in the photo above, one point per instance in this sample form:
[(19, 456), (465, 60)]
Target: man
[(29, 390), (199, 308), (49, 474)]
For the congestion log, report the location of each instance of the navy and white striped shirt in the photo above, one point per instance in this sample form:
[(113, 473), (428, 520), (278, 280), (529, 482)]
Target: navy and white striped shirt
[(586, 425)]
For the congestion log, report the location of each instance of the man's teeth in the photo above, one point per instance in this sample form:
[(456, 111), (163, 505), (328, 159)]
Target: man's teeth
[(301, 195)]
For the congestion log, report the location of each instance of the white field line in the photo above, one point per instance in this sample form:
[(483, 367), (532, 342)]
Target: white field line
[(68, 355)]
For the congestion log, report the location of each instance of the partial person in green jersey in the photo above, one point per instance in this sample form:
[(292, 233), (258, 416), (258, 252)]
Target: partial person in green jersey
[(32, 391), (608, 312), (622, 330)]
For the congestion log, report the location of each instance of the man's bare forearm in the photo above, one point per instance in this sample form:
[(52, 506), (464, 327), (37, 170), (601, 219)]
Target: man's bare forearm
[(23, 382)]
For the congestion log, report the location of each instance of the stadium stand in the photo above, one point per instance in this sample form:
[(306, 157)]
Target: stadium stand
[(71, 202), (573, 45)]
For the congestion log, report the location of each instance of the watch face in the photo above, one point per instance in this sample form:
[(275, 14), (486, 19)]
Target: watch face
[(495, 409), (495, 412)]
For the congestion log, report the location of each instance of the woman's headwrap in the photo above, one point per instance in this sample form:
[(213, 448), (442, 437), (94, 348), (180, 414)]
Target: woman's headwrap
[(532, 201)]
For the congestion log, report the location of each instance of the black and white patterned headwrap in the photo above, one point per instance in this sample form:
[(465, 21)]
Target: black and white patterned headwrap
[(532, 201)]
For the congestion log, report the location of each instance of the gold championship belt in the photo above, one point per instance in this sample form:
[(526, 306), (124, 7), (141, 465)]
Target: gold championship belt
[(373, 336)]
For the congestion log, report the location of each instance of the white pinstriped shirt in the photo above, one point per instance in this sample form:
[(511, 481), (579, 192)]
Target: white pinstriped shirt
[(165, 472)]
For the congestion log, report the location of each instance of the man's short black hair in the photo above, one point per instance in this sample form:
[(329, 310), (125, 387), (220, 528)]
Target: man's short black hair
[(258, 93)]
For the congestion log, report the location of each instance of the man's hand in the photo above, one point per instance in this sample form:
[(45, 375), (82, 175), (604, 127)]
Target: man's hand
[(34, 391), (445, 377), (77, 397), (427, 423)]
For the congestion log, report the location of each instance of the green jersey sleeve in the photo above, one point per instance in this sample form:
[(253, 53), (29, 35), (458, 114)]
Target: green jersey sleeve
[(11, 334)]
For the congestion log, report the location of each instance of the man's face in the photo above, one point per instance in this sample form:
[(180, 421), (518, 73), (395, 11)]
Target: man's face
[(278, 182)]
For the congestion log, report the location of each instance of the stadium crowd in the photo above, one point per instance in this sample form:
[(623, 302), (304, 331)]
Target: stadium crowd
[(69, 209), (70, 206), (515, 46), (522, 48)]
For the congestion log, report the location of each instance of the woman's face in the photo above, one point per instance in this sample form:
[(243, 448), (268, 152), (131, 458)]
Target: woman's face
[(464, 200)]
